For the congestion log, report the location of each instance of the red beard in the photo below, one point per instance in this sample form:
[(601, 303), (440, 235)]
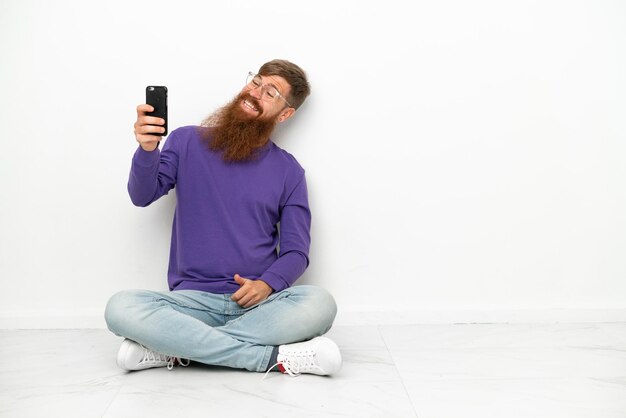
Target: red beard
[(235, 133)]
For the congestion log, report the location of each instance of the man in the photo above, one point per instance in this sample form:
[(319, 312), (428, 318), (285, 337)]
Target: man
[(240, 239)]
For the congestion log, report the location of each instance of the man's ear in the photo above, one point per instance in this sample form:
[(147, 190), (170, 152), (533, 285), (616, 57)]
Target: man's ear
[(286, 114)]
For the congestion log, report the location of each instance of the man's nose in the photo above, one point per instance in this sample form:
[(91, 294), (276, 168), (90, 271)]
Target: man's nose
[(256, 92)]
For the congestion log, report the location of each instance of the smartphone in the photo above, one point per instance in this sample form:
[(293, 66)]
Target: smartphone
[(156, 96)]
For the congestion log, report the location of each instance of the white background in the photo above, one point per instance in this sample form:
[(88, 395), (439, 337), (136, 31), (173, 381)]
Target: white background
[(465, 160)]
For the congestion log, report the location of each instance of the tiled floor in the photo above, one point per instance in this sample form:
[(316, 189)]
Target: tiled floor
[(425, 371)]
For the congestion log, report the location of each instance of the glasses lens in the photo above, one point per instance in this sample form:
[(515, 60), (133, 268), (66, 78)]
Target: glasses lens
[(270, 93), (254, 81)]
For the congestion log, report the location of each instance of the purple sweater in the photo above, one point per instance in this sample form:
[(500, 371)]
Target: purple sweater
[(227, 214)]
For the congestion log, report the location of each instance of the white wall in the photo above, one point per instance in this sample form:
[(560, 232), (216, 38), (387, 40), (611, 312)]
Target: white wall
[(465, 159)]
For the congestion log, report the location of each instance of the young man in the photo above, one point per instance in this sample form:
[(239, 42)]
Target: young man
[(240, 239)]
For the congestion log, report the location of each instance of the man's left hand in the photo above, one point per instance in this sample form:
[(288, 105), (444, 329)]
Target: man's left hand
[(251, 291)]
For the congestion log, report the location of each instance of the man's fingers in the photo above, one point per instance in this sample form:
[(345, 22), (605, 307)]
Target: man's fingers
[(243, 298), (246, 295), (142, 109), (147, 129), (237, 295), (242, 291), (240, 280), (251, 291), (246, 301), (150, 120)]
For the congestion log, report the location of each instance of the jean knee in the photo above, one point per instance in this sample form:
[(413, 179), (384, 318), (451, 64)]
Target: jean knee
[(116, 311), (323, 308)]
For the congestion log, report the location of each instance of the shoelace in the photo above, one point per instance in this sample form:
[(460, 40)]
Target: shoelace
[(170, 362), (153, 357), (272, 368), (295, 364)]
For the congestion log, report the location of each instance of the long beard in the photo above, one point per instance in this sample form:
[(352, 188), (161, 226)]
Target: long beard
[(236, 134)]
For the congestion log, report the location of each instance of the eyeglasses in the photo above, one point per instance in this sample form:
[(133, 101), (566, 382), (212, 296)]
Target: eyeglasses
[(269, 93)]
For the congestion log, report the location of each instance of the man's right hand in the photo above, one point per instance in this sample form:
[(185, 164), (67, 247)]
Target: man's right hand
[(148, 124)]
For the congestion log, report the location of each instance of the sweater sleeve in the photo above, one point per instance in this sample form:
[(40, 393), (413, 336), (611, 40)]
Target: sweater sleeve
[(152, 173), (295, 239)]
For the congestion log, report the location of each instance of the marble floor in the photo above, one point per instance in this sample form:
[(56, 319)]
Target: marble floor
[(425, 371)]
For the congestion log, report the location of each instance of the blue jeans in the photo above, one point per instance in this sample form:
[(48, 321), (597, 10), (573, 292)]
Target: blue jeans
[(212, 329)]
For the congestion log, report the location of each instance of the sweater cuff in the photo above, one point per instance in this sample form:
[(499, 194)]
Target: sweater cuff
[(274, 281), (147, 158)]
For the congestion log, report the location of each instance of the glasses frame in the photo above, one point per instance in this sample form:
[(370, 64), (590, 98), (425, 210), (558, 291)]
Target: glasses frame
[(252, 85)]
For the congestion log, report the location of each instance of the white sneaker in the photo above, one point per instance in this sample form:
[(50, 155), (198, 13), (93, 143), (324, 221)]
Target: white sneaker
[(134, 356), (317, 356)]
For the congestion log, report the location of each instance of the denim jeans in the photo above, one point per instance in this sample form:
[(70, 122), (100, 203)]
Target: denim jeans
[(212, 329)]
